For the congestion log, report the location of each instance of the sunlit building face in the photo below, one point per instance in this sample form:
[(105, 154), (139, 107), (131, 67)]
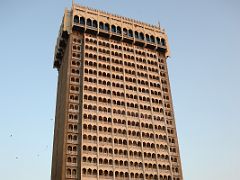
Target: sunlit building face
[(114, 113)]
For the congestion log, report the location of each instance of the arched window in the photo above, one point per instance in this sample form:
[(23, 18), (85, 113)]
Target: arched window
[(95, 24), (101, 25), (69, 159), (113, 29), (136, 35), (119, 31), (147, 37), (82, 20), (130, 33), (158, 40), (94, 172), (69, 172), (106, 27), (76, 19), (163, 42), (89, 22), (141, 36), (152, 39), (125, 32), (74, 172)]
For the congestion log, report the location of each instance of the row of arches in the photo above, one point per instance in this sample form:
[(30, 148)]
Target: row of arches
[(100, 118), (71, 149), (93, 149), (142, 74), (72, 127), (143, 90), (120, 94), (74, 80), (126, 56), (72, 159), (104, 66), (91, 40), (156, 93), (94, 56), (122, 152), (162, 67), (73, 97), (72, 137), (105, 83), (170, 131), (131, 72), (73, 107), (171, 140), (168, 113), (123, 122), (149, 62), (76, 63), (169, 122), (154, 77), (107, 59), (117, 69), (120, 174), (77, 40), (92, 48), (121, 103), (71, 172), (163, 81), (174, 159), (118, 30), (124, 163), (130, 87), (119, 62), (75, 71), (127, 79), (103, 43), (165, 89), (127, 49), (105, 109), (73, 116), (104, 119), (166, 97), (76, 48), (76, 55), (151, 69), (104, 51), (115, 46), (142, 67), (119, 141)]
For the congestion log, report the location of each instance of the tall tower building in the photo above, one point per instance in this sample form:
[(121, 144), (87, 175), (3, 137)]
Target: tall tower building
[(114, 113)]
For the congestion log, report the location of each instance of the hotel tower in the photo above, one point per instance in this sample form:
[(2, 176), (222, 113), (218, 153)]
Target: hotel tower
[(114, 113)]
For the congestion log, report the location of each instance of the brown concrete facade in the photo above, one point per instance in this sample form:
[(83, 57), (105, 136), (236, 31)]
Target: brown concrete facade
[(114, 113)]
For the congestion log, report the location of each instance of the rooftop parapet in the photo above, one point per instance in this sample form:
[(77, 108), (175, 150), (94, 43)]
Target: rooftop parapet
[(77, 7)]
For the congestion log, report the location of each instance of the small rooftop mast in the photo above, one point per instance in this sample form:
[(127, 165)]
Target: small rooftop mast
[(159, 25)]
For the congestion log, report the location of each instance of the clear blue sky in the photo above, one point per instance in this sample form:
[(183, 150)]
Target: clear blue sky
[(204, 71)]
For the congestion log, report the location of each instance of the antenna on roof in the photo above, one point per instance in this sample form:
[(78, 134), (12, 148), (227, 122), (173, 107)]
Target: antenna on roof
[(159, 25)]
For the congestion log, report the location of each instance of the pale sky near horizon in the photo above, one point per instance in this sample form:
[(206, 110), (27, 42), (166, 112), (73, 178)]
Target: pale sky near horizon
[(204, 72)]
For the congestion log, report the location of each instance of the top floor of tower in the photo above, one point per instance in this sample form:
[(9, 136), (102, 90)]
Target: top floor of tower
[(88, 20)]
